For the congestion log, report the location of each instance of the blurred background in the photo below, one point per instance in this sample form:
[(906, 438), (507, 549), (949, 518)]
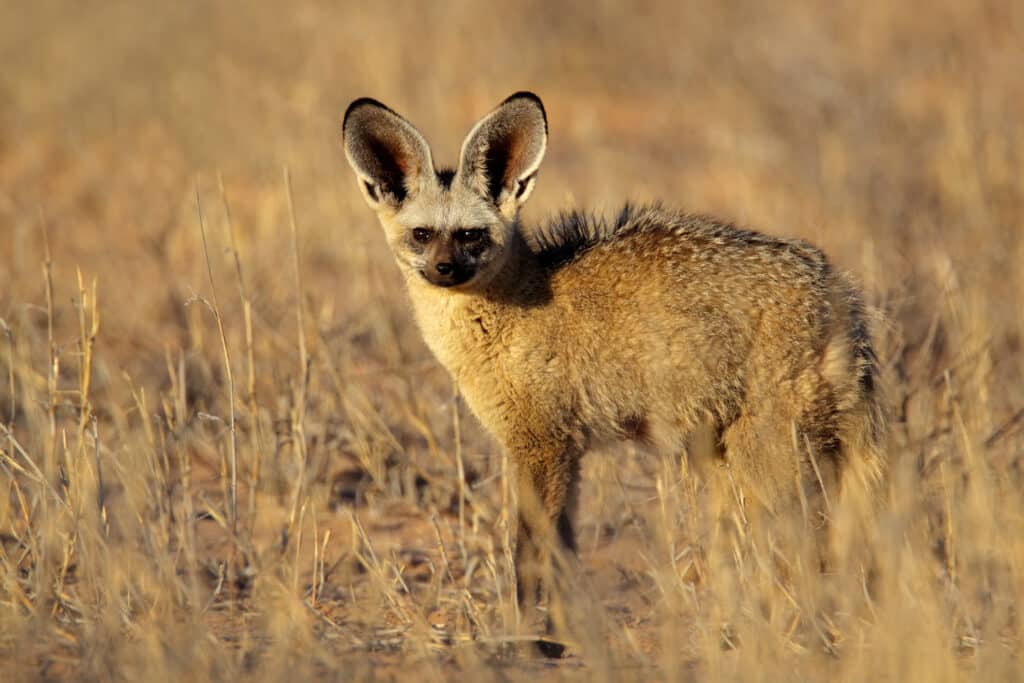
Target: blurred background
[(878, 132), (888, 134)]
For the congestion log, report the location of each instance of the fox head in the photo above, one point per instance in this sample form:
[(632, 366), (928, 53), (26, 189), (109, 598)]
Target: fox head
[(450, 228)]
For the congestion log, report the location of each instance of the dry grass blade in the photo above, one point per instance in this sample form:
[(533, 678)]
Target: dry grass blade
[(233, 438)]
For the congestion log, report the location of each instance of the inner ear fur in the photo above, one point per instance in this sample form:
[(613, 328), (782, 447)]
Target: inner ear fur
[(390, 157), (503, 151)]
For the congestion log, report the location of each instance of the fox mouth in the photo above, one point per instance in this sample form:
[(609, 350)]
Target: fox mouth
[(453, 279)]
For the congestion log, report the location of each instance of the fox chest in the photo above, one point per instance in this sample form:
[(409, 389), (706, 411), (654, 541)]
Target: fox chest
[(483, 367), (505, 376)]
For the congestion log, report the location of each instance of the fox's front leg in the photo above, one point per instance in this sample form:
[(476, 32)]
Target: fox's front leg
[(547, 482)]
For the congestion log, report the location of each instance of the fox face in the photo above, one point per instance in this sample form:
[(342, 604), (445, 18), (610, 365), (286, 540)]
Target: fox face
[(452, 229), (450, 256), (446, 235)]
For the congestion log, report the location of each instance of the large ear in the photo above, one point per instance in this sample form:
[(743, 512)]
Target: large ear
[(390, 157), (501, 154)]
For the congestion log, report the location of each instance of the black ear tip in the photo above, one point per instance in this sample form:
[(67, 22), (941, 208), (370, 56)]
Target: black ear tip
[(523, 94), (359, 104), (527, 95)]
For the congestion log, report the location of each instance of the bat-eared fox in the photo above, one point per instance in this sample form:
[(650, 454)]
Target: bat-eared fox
[(654, 326)]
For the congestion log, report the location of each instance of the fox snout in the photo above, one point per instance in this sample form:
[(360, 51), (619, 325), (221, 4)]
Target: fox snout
[(450, 258)]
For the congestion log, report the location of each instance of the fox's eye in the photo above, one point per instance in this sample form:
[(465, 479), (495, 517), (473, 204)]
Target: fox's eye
[(470, 235), (422, 235)]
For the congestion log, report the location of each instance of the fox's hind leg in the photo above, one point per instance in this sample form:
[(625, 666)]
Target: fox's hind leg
[(787, 468)]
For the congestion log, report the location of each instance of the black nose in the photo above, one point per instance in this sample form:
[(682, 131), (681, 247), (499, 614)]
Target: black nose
[(444, 268)]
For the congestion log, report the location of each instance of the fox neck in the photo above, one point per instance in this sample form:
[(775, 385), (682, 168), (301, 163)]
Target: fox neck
[(461, 326), (517, 275)]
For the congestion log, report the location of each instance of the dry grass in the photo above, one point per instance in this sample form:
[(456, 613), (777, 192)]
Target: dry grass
[(254, 471)]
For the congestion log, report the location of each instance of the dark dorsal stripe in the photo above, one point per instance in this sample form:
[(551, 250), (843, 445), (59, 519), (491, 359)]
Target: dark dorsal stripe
[(571, 233)]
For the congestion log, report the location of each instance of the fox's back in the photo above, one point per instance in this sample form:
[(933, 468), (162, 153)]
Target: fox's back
[(691, 265), (662, 307)]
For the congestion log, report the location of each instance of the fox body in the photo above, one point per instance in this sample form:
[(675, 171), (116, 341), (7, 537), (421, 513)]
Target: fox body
[(655, 326)]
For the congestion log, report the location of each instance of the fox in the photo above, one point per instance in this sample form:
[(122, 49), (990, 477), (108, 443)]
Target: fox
[(656, 326)]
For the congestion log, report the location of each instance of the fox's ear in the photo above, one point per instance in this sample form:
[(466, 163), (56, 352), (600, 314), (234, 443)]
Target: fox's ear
[(501, 154), (390, 157)]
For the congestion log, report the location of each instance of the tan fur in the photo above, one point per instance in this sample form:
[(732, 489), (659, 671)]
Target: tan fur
[(658, 326)]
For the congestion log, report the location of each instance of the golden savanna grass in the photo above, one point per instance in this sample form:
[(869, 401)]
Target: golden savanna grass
[(226, 453)]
